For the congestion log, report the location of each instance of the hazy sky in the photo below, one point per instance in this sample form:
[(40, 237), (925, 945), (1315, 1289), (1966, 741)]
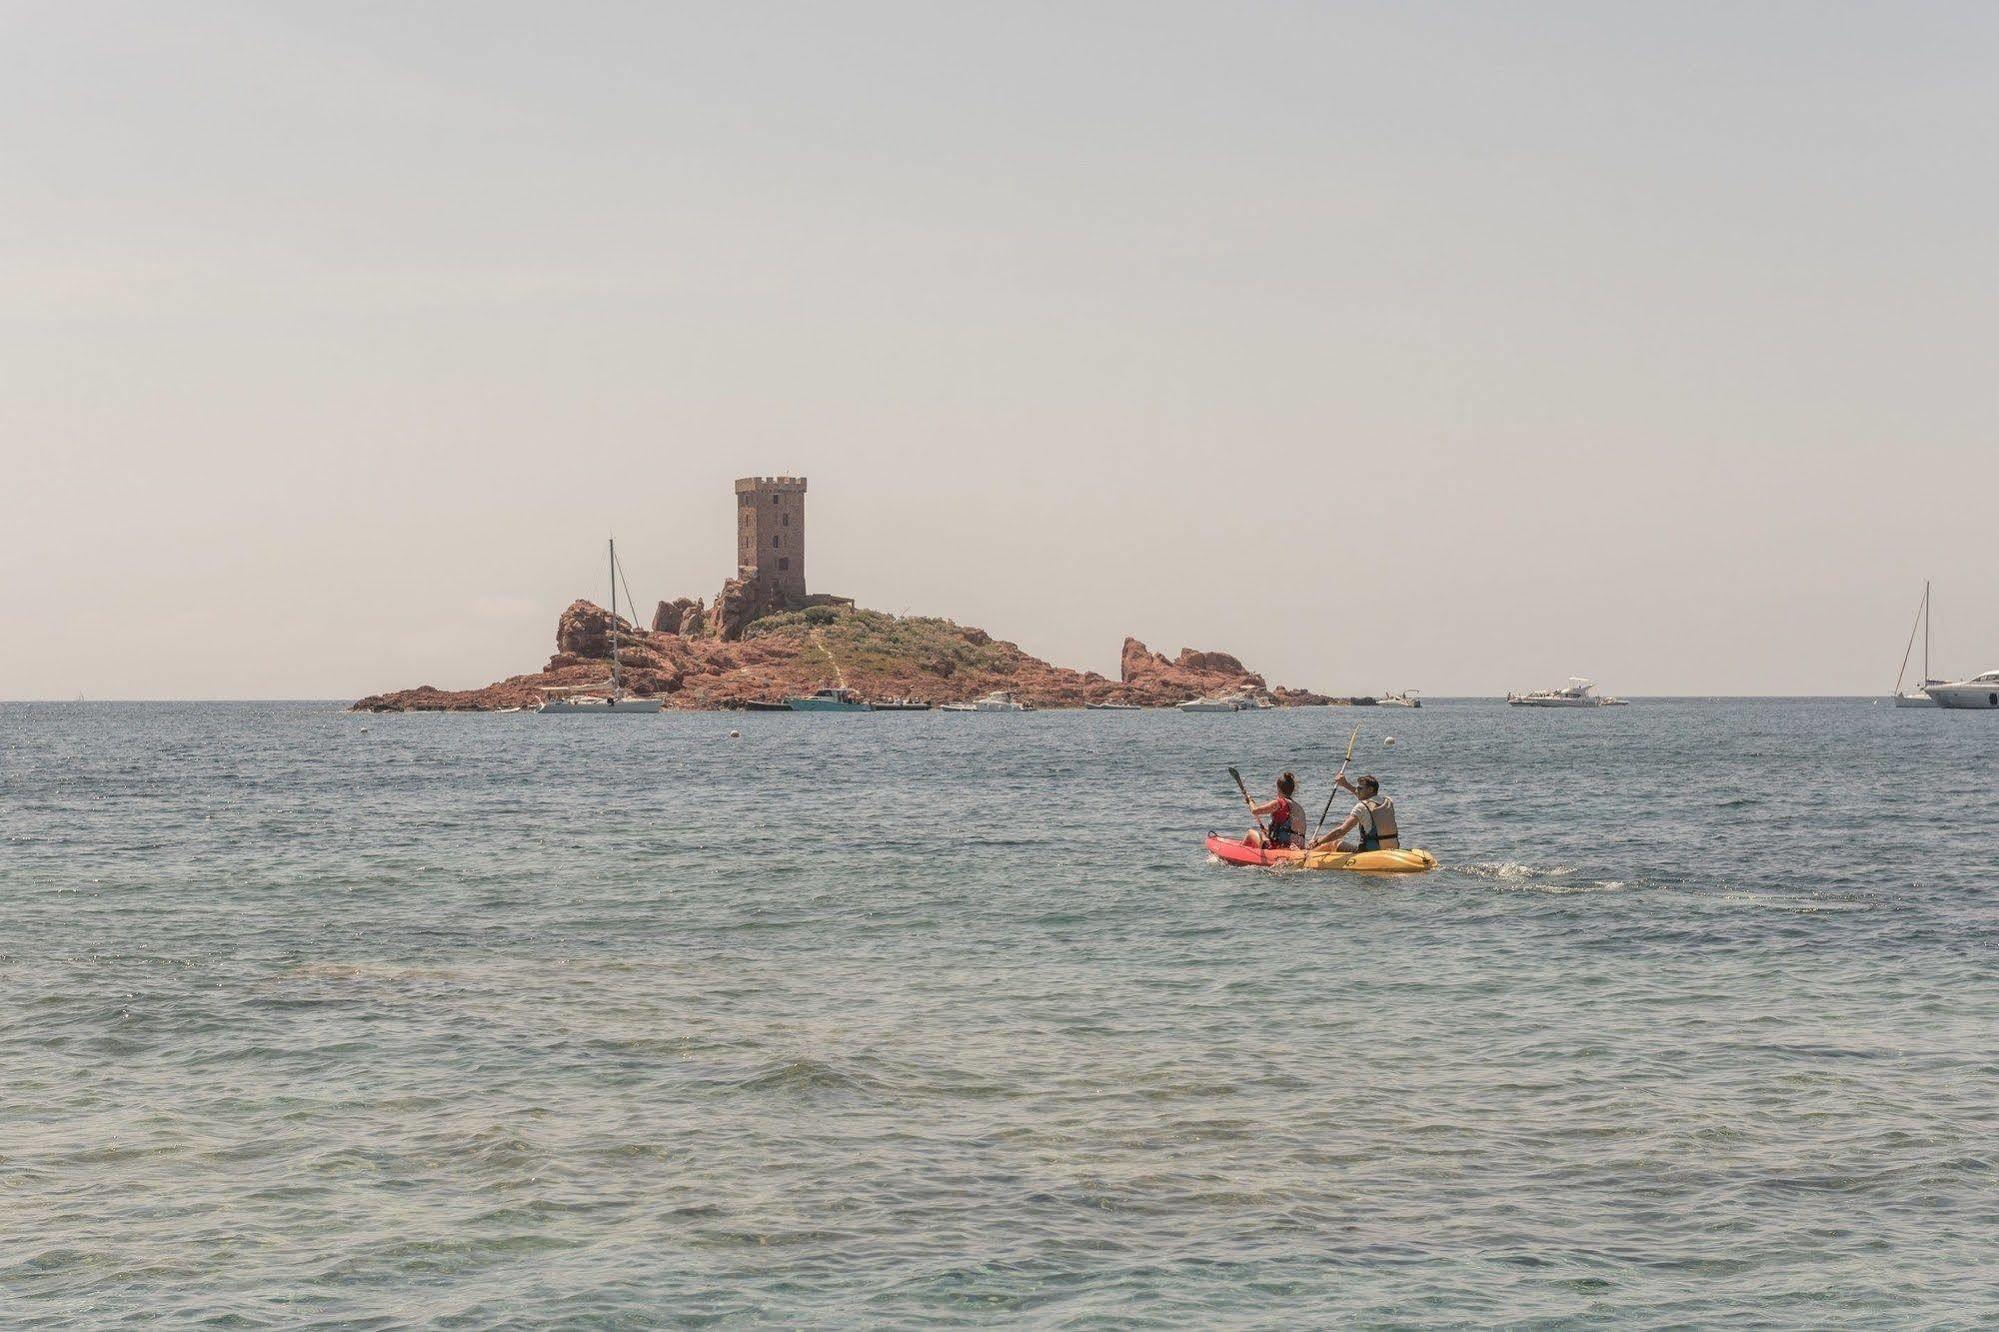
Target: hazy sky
[(1452, 347)]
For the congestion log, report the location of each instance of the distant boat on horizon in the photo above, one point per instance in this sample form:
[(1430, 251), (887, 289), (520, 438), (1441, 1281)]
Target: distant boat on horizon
[(1920, 698), (1575, 694)]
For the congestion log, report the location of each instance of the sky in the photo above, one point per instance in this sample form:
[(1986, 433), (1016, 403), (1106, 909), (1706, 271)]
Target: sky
[(1452, 347)]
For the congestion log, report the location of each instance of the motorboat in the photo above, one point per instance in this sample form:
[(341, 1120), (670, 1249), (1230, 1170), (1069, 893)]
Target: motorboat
[(830, 700), (1576, 694), (1113, 707), (1980, 691), (1406, 699), (1000, 700), (904, 704), (1919, 697), (558, 700), (1210, 705)]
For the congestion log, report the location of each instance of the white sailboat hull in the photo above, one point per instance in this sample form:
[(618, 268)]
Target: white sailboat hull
[(601, 705), (1919, 699)]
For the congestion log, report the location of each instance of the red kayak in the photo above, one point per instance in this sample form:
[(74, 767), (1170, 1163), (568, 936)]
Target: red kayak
[(1410, 861)]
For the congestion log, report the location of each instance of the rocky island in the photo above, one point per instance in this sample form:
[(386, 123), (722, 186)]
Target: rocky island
[(878, 655), (766, 638)]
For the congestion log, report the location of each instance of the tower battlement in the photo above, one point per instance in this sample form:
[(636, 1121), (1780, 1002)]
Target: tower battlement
[(770, 534)]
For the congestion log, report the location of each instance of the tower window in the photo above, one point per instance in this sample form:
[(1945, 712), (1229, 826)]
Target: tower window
[(787, 520), (773, 499), (783, 563), (776, 541)]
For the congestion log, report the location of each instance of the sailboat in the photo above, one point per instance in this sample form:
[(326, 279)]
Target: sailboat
[(1920, 698), (579, 698)]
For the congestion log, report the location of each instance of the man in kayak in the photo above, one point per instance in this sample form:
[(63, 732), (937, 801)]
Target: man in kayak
[(1373, 818), (1287, 821)]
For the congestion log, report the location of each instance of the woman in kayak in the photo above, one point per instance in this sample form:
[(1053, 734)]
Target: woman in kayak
[(1287, 821)]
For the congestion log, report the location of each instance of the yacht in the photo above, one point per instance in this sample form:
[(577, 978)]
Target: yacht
[(558, 699), (1920, 697), (1575, 694), (1980, 691), (1000, 700), (830, 700), (1405, 699), (1210, 705)]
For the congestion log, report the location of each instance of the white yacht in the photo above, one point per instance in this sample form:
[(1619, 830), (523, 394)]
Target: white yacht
[(557, 699), (1575, 694), (1000, 700), (1980, 691), (1917, 698), (1210, 705), (1404, 699)]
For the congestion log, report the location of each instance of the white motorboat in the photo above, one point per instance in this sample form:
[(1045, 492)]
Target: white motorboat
[(1405, 699), (1920, 697), (1000, 700), (1113, 707), (1575, 694), (591, 698), (1210, 705), (1980, 691)]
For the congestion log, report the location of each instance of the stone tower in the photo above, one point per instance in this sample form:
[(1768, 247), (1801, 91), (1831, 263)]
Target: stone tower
[(770, 535)]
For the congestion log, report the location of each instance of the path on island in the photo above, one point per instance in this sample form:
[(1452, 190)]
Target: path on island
[(839, 676)]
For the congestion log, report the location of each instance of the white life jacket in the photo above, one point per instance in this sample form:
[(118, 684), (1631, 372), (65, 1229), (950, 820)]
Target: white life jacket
[(1376, 820)]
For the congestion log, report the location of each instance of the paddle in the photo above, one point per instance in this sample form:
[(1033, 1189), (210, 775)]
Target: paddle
[(1252, 805), (1334, 793)]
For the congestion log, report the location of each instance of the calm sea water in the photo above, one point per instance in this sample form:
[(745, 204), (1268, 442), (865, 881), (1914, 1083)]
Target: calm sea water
[(309, 1019)]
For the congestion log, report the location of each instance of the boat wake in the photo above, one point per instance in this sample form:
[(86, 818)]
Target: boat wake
[(1539, 878)]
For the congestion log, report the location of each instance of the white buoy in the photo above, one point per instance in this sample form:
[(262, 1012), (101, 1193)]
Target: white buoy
[(1389, 741), (735, 735)]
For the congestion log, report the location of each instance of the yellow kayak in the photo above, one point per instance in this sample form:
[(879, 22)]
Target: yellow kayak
[(1408, 861)]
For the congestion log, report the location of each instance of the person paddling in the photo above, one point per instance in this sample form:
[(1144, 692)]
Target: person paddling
[(1373, 818), (1287, 821)]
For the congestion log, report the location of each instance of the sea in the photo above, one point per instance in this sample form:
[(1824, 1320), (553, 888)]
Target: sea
[(319, 1020)]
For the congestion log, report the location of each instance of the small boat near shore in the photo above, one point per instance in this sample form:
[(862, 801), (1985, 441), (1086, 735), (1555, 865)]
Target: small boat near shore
[(759, 705), (578, 700), (837, 699), (1000, 700), (1112, 707), (1405, 699), (1227, 703), (901, 705)]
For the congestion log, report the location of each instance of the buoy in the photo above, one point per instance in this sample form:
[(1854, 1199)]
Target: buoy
[(735, 735), (1389, 741)]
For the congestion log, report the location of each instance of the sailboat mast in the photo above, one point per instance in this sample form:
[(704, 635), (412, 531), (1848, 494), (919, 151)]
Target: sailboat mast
[(614, 618), (1926, 631)]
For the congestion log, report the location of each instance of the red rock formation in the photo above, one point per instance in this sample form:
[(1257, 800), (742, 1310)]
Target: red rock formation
[(831, 642)]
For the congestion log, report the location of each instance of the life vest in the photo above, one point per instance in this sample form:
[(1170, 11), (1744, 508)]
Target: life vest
[(1377, 824), (1284, 828)]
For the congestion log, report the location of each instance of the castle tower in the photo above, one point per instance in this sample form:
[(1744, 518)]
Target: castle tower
[(770, 533)]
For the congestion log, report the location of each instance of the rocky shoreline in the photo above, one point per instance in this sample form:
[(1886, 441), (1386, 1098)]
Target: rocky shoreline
[(835, 643)]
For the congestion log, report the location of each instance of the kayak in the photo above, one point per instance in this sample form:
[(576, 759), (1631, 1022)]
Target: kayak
[(1407, 861)]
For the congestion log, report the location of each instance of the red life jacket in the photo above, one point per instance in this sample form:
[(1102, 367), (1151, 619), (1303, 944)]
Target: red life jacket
[(1282, 830)]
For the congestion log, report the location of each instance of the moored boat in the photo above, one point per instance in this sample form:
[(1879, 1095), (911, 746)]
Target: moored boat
[(1980, 692), (1575, 694), (1209, 705), (1920, 696), (830, 700), (559, 700), (1404, 699)]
